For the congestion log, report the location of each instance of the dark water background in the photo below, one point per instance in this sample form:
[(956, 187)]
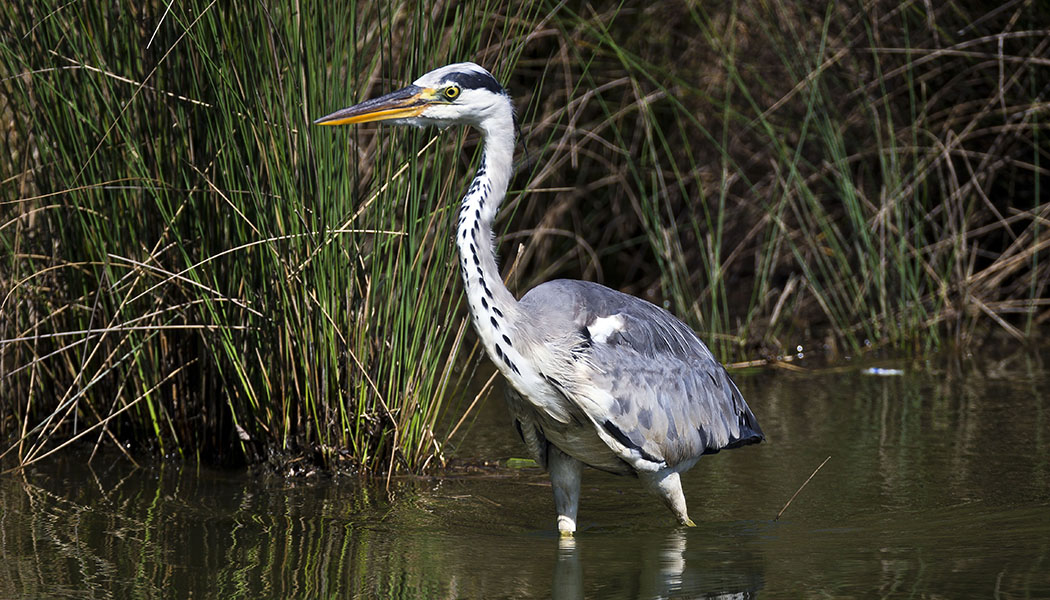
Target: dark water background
[(938, 486)]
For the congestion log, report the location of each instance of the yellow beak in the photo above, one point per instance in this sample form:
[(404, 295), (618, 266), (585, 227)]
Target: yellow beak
[(404, 103)]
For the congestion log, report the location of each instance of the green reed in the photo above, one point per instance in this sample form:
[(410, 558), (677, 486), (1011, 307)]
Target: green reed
[(192, 266)]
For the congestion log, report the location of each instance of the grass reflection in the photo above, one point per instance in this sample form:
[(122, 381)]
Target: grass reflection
[(937, 486)]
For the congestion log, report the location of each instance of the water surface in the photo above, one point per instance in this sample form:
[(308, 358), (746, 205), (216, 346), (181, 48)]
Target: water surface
[(938, 486)]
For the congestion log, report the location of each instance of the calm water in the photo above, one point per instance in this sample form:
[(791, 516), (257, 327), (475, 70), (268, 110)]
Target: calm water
[(938, 486)]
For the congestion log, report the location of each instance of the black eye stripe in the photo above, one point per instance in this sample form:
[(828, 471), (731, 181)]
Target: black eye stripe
[(474, 81)]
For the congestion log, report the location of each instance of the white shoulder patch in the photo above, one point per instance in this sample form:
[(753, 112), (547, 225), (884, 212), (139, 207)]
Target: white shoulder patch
[(602, 328)]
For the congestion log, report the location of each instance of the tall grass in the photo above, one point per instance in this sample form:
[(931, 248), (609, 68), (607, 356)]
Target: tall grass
[(188, 266), (831, 175)]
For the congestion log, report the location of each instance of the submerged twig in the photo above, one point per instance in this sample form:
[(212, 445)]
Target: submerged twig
[(777, 518)]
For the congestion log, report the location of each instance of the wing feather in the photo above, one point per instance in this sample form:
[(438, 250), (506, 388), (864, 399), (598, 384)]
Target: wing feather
[(652, 388)]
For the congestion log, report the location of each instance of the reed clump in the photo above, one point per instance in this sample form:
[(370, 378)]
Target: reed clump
[(188, 266), (834, 175)]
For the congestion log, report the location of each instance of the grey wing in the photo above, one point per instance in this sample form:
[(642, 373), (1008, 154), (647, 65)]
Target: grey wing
[(645, 379), (667, 409)]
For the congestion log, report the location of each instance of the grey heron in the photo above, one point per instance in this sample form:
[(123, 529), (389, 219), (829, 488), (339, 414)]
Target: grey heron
[(596, 377)]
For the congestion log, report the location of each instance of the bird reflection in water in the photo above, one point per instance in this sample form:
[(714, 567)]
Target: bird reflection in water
[(662, 568)]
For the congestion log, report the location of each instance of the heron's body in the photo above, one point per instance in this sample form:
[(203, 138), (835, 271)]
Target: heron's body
[(596, 377)]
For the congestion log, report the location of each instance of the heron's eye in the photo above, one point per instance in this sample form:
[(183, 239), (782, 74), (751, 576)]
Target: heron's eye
[(452, 92)]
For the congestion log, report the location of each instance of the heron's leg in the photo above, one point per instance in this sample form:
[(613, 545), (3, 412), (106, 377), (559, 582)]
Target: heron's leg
[(565, 472), (666, 484)]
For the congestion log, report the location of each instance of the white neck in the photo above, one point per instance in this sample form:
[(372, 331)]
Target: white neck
[(493, 307)]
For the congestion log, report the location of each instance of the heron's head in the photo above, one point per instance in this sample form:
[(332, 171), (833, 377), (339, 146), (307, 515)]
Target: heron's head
[(463, 93)]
